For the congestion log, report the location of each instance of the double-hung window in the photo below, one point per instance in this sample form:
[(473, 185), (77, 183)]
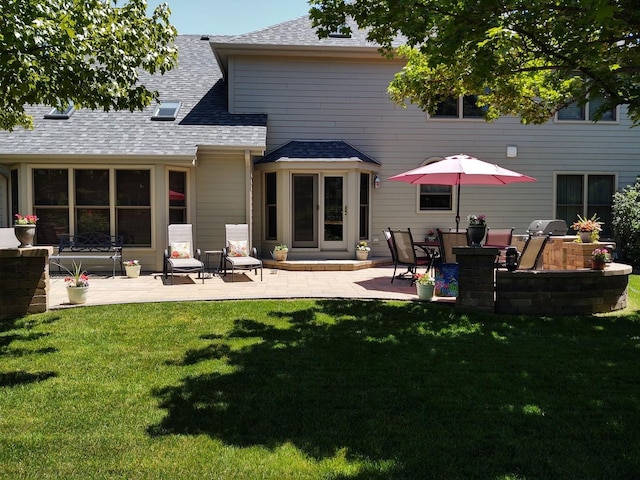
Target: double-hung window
[(459, 107), (576, 112), (585, 194), (434, 197)]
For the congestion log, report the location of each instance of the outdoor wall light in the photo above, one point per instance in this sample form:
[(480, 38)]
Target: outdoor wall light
[(376, 181)]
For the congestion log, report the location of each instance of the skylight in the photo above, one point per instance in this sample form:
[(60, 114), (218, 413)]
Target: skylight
[(167, 111), (56, 114)]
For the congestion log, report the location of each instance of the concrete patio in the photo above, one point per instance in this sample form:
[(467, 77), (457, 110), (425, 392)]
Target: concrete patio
[(367, 283)]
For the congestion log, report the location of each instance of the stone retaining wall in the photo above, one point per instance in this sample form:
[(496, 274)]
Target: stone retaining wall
[(24, 281), (567, 292)]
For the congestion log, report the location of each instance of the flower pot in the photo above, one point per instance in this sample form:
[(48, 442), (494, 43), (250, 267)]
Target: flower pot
[(362, 254), (280, 255), (77, 295), (133, 271), (476, 234), (585, 237), (598, 264), (425, 292), (25, 234)]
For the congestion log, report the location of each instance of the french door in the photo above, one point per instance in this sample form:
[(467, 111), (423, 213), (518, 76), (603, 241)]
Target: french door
[(319, 211)]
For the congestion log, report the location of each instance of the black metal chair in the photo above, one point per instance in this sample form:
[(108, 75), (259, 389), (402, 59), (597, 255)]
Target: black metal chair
[(499, 238), (403, 252)]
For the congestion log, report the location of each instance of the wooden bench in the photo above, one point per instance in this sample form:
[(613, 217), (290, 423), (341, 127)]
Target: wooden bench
[(90, 246)]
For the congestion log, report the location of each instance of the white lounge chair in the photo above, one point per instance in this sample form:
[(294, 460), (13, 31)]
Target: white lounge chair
[(180, 256), (237, 249)]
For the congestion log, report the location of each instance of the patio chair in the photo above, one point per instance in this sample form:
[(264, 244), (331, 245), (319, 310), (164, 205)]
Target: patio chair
[(404, 253), (449, 240), (237, 248), (532, 252), (499, 238), (180, 256)]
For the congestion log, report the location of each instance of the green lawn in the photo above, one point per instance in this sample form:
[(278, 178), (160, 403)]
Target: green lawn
[(313, 389)]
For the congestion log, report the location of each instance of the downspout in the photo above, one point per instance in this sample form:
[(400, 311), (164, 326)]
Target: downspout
[(248, 180)]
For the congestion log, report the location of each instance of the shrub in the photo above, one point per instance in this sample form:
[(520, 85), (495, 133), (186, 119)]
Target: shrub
[(626, 222)]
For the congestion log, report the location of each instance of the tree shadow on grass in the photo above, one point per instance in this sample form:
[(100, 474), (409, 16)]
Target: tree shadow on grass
[(23, 333), (420, 391)]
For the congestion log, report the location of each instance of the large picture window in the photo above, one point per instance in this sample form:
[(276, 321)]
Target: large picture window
[(71, 201), (585, 195)]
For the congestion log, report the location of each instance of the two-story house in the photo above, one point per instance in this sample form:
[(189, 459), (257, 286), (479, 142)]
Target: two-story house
[(296, 136)]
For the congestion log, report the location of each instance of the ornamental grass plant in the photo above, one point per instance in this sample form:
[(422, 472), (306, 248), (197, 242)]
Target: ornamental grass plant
[(318, 389)]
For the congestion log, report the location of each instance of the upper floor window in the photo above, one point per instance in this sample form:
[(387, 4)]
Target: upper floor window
[(459, 107), (586, 112)]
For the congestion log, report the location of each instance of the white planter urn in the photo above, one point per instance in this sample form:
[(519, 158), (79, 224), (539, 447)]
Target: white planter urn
[(362, 254), (77, 295), (133, 271), (585, 237), (280, 255)]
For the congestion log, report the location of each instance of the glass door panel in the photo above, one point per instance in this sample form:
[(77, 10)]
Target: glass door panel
[(304, 211), (334, 212)]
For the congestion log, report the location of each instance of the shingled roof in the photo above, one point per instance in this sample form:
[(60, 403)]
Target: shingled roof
[(316, 151), (299, 37), (202, 120)]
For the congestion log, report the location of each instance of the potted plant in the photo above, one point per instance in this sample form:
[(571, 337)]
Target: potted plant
[(362, 250), (24, 229), (77, 284), (477, 229), (132, 268), (588, 229), (599, 258), (431, 236), (280, 252), (425, 285)]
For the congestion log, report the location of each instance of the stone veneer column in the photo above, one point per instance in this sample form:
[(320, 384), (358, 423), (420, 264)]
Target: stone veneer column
[(476, 266), (24, 281)]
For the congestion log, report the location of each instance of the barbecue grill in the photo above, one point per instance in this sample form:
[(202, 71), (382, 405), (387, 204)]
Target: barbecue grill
[(545, 227)]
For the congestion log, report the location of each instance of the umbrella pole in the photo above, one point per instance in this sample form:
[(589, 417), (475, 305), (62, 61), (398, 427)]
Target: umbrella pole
[(458, 206)]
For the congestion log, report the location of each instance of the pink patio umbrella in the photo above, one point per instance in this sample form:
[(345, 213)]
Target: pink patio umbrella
[(459, 170)]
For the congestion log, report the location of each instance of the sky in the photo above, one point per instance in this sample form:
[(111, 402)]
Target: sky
[(230, 17)]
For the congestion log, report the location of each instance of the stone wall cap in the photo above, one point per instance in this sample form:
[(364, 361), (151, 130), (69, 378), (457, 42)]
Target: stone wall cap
[(484, 251)]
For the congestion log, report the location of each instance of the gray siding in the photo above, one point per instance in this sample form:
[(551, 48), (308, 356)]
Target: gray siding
[(321, 98)]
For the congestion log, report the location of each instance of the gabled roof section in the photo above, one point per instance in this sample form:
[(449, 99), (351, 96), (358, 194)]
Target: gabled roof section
[(296, 37), (202, 120), (316, 151)]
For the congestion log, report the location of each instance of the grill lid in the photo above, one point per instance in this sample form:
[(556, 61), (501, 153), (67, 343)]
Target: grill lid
[(544, 227)]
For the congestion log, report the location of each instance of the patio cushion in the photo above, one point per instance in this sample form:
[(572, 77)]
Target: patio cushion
[(180, 250), (238, 248)]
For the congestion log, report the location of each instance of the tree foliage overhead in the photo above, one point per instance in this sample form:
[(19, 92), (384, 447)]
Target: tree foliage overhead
[(89, 52), (528, 58)]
